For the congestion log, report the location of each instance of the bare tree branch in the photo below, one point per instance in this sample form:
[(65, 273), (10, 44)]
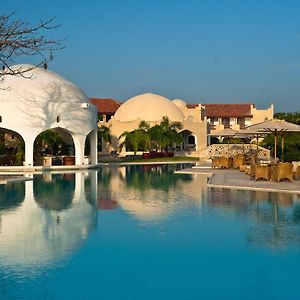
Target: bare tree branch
[(19, 38)]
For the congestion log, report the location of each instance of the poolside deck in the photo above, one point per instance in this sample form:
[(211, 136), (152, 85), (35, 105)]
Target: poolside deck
[(234, 179)]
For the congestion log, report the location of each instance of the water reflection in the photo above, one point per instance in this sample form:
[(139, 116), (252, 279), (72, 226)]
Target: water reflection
[(151, 192), (54, 192), (273, 217), (53, 219), (11, 196)]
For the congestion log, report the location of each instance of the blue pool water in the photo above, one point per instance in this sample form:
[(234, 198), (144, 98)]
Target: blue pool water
[(143, 232)]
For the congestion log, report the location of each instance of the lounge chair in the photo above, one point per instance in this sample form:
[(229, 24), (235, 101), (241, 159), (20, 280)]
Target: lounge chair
[(252, 158), (296, 173), (225, 162), (243, 168), (239, 160), (261, 172), (283, 171), (215, 163), (251, 171)]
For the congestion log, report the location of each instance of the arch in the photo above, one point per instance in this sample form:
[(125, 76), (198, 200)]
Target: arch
[(56, 193), (12, 147), (189, 140), (57, 143)]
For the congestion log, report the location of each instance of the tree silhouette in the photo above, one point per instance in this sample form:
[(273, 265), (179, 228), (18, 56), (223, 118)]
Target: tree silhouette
[(20, 39)]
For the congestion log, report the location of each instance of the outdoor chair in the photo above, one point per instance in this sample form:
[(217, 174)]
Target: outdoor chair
[(225, 162), (252, 158), (261, 172), (215, 163), (243, 168), (251, 171), (282, 172), (296, 173), (239, 160)]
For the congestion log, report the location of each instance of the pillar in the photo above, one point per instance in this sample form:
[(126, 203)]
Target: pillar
[(28, 152), (93, 146), (79, 142)]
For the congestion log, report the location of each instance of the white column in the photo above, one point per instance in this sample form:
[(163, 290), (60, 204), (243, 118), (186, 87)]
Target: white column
[(28, 152), (79, 149), (93, 146)]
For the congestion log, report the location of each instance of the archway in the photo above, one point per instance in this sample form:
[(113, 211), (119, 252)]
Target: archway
[(56, 144), (12, 148), (189, 140)]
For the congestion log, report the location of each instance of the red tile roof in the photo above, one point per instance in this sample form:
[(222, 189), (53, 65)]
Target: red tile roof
[(107, 105), (228, 110), (192, 105)]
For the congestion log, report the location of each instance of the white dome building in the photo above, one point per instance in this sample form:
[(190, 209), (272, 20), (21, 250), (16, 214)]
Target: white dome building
[(148, 107), (41, 100), (152, 108)]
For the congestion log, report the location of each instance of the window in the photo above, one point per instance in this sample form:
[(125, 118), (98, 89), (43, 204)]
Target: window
[(0, 119), (241, 122), (58, 119), (213, 122), (226, 122)]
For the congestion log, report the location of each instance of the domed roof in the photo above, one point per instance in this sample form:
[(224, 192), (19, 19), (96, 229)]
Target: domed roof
[(148, 107), (39, 85), (179, 103)]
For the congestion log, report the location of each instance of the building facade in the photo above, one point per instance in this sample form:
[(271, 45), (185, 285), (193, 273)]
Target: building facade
[(198, 120), (235, 116), (152, 108)]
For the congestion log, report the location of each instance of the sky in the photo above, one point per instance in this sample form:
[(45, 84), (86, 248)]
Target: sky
[(201, 51)]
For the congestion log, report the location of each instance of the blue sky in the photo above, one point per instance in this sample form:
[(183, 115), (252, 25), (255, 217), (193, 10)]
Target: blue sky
[(205, 51)]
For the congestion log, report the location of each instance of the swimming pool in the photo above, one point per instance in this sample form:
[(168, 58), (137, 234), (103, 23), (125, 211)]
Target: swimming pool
[(143, 232)]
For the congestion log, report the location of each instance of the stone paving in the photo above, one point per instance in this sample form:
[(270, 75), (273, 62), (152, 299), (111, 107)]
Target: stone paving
[(235, 179)]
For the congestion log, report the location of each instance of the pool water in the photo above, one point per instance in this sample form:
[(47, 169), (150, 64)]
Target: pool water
[(143, 232)]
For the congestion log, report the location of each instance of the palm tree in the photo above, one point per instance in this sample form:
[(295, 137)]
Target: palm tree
[(104, 135), (131, 139), (165, 134), (136, 139)]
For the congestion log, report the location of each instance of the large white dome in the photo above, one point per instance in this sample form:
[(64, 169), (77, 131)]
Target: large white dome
[(39, 85), (148, 107)]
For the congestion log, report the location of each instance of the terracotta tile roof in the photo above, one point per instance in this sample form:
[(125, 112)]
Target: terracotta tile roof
[(106, 105), (228, 110), (192, 105)]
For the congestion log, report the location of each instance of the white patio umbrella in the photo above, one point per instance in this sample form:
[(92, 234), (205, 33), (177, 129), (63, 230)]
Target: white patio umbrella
[(251, 133), (276, 127)]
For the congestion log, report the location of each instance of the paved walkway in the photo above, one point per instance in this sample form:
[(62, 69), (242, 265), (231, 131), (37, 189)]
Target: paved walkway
[(234, 179)]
